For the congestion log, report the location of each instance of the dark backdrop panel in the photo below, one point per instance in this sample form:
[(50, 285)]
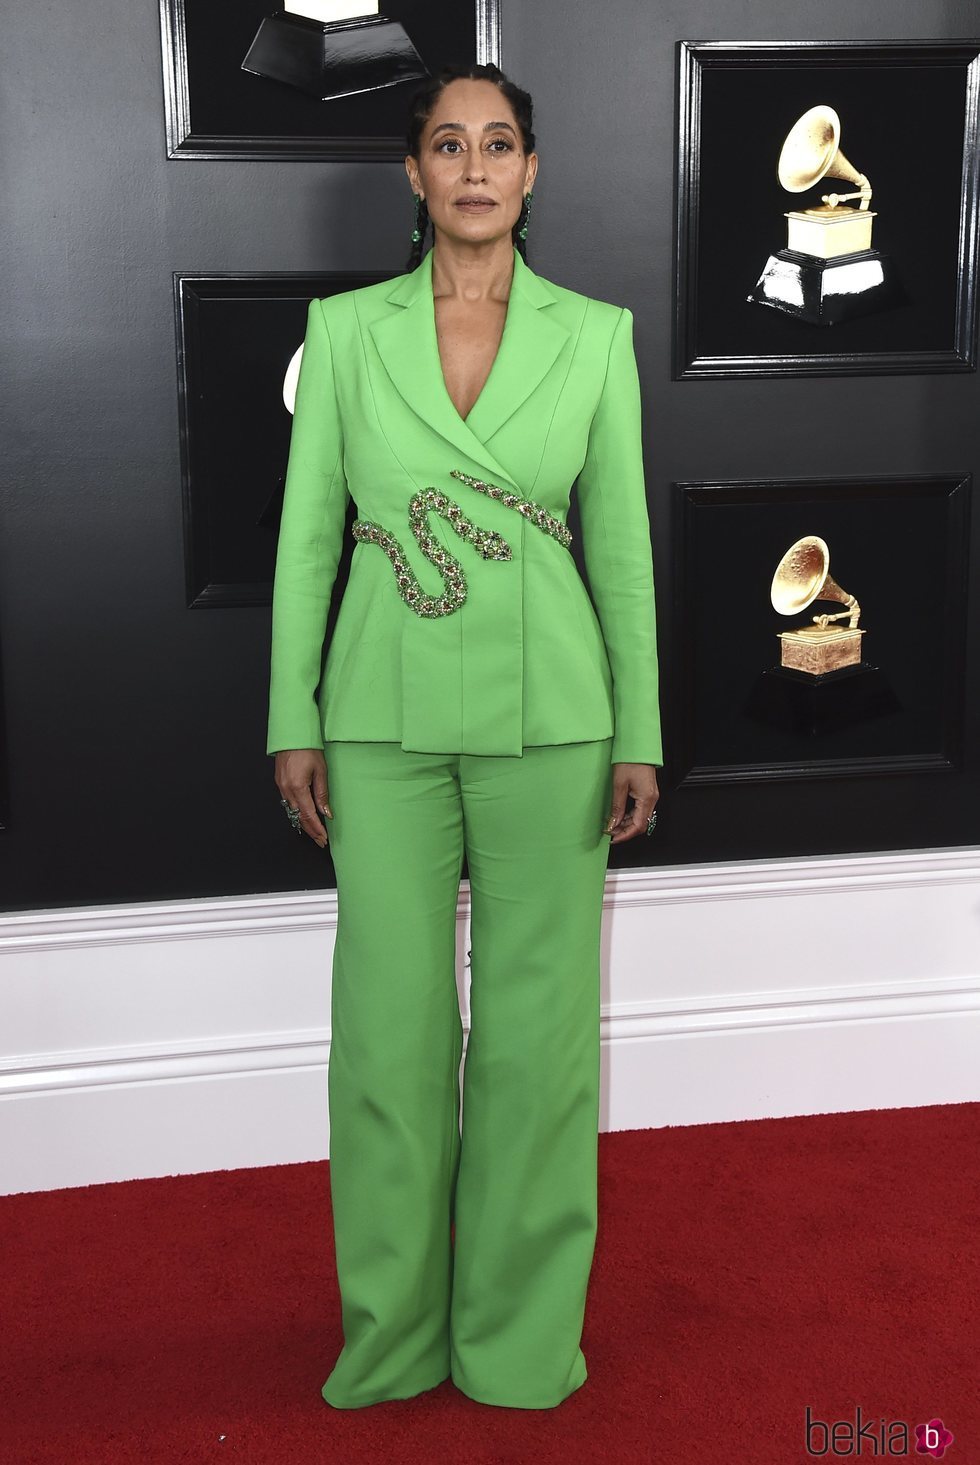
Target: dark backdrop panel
[(898, 547), (136, 727), (237, 336), (228, 101), (914, 162)]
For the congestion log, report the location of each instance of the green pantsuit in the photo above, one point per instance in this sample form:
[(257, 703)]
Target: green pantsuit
[(475, 696), (502, 1311)]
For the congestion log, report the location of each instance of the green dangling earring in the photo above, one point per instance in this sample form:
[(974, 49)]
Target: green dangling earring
[(522, 231), (417, 232)]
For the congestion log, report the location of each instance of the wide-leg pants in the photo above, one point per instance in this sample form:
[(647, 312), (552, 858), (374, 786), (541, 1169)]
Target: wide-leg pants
[(500, 1305)]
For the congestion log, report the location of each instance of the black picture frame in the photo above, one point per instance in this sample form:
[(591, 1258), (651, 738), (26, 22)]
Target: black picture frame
[(900, 545), (737, 101), (4, 774), (216, 110), (236, 334)]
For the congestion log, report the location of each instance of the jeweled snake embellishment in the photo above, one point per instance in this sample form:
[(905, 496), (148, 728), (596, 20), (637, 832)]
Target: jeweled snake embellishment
[(486, 542)]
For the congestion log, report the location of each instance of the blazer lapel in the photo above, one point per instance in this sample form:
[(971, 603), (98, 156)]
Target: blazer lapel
[(408, 347)]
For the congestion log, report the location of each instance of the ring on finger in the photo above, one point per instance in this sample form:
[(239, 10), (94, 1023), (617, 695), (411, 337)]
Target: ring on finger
[(292, 814)]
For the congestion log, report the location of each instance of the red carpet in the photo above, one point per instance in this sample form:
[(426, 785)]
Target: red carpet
[(743, 1272)]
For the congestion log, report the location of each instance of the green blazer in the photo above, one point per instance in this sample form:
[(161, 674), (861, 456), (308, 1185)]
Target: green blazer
[(489, 643)]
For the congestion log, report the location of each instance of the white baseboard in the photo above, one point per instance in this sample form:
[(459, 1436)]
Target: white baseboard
[(183, 1036)]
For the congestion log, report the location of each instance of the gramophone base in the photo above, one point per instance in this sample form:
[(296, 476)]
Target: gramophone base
[(337, 59), (798, 702), (825, 292), (817, 651)]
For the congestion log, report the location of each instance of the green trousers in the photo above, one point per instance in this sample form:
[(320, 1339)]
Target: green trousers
[(498, 1303)]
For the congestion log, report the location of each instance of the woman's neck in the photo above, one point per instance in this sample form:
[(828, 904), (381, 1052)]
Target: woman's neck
[(473, 272)]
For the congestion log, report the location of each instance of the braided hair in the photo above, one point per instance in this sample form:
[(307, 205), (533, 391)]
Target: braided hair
[(420, 110)]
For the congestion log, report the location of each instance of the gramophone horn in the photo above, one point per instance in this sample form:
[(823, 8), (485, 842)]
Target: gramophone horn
[(812, 151), (802, 575)]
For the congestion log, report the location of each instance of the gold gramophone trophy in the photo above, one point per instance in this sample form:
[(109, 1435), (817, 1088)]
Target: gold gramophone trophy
[(822, 685), (828, 271), (802, 576)]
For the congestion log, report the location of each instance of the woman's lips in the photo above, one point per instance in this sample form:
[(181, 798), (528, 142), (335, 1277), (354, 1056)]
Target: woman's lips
[(475, 208)]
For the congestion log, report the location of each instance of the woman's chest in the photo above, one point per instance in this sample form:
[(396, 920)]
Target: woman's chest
[(402, 427), (468, 339)]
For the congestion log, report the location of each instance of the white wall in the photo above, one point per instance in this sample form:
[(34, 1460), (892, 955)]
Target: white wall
[(180, 1036)]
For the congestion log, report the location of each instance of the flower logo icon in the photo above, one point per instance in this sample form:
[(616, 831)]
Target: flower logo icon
[(932, 1439)]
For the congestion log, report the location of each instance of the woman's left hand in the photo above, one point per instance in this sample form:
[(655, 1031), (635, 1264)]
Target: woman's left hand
[(640, 781)]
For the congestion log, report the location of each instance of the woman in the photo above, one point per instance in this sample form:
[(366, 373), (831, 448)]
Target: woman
[(471, 701)]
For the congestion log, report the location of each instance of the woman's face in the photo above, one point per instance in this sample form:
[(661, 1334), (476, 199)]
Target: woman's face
[(471, 148)]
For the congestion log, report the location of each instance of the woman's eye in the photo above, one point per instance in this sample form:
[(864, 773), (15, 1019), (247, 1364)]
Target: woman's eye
[(454, 142)]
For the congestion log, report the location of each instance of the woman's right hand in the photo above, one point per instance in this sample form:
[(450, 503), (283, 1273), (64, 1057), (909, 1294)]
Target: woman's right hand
[(301, 778)]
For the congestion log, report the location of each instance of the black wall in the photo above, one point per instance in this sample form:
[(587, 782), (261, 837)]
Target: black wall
[(136, 728)]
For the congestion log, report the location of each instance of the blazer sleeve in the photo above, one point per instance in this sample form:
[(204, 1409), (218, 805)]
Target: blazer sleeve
[(618, 553), (310, 540)]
